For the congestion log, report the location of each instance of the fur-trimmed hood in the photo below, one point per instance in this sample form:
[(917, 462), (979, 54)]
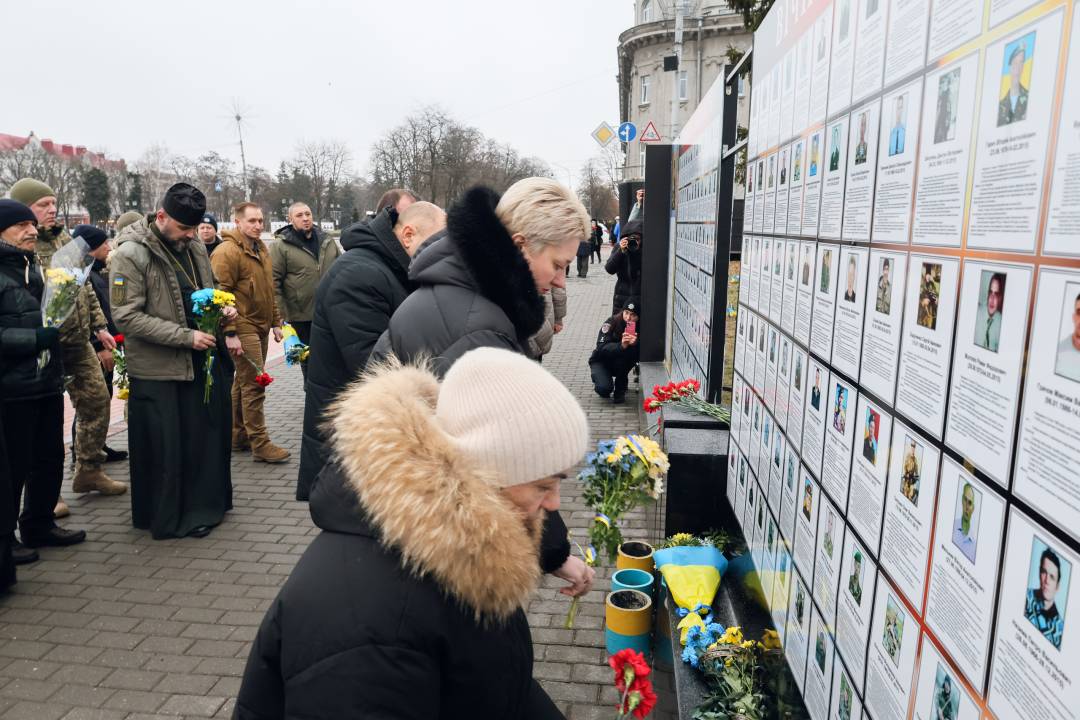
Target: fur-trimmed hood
[(423, 499), (478, 253)]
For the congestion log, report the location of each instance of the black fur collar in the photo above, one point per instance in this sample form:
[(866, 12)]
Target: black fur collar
[(496, 264)]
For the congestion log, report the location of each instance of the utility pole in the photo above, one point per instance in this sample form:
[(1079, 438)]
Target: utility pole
[(243, 160), (680, 13)]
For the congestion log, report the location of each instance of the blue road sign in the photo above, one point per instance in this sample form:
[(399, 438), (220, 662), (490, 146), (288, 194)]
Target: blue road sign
[(627, 132)]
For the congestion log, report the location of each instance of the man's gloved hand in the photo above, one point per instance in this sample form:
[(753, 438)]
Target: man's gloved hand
[(47, 338)]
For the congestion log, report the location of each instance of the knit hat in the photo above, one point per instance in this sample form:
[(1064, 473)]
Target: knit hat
[(209, 219), (94, 236), (508, 413), (127, 219), (13, 212), (185, 204), (28, 191)]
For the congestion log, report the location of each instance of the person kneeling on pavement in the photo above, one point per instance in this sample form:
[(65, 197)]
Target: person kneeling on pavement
[(616, 353), (31, 399), (410, 603)]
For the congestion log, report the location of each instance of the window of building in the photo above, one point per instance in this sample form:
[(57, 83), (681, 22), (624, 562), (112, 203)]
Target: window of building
[(683, 85), (646, 11), (641, 160), (646, 81), (742, 85)]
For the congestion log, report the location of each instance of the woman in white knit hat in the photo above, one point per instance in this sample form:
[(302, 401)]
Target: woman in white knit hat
[(409, 604)]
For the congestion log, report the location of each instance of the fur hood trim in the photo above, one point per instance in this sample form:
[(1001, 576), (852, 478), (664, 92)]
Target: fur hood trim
[(496, 264), (425, 500)]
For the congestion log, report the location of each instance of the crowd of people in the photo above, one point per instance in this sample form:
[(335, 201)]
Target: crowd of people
[(420, 323)]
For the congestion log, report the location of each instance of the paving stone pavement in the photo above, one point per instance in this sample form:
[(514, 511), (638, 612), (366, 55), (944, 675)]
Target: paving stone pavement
[(124, 627)]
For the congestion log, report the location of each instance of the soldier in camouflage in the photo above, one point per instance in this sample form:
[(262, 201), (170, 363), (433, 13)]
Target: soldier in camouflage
[(86, 388)]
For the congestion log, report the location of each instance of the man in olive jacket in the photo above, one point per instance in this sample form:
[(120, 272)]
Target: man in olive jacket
[(242, 266), (178, 433), (301, 256)]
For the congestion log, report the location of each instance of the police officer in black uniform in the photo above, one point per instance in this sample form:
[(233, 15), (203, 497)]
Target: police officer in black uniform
[(616, 352)]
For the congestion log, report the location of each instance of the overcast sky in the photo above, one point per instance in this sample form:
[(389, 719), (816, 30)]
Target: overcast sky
[(119, 75)]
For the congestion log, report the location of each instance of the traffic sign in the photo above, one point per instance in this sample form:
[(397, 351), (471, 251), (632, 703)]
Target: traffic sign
[(627, 131), (603, 134), (650, 134)]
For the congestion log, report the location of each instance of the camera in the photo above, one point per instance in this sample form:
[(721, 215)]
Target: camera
[(633, 243)]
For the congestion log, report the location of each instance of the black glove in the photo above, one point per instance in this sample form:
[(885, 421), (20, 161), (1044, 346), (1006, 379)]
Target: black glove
[(47, 338)]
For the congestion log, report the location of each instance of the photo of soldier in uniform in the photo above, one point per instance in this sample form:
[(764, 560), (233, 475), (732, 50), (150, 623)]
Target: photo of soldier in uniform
[(870, 436), (883, 303), (948, 102), (834, 154), (1015, 80), (798, 373), (819, 651), (861, 146), (965, 534), (830, 522), (805, 280), (815, 153), (911, 470), (839, 418), (929, 294), (790, 472), (1048, 591), (855, 580), (826, 268), (796, 170), (946, 701), (800, 604), (815, 393), (991, 305), (791, 259), (808, 498), (1067, 362), (783, 167), (772, 173), (893, 636), (843, 709)]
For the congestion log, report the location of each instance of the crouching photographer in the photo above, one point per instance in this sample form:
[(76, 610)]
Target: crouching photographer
[(616, 353)]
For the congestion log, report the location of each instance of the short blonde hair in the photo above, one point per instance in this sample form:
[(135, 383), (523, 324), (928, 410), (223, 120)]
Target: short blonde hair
[(544, 212)]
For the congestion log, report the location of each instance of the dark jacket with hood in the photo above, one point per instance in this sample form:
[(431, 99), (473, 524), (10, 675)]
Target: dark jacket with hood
[(353, 305), (21, 289), (408, 605), (626, 265), (609, 351), (474, 290)]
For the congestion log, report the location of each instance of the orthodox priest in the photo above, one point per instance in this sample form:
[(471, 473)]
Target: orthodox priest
[(179, 444)]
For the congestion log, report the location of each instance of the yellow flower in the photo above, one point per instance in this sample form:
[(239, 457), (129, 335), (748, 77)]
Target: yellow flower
[(746, 644), (732, 636), (122, 393), (59, 276)]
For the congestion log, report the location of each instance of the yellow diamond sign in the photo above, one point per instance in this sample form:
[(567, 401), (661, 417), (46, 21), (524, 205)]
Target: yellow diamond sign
[(603, 134)]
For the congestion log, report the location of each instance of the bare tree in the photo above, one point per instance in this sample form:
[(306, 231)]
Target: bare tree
[(595, 190), (326, 164)]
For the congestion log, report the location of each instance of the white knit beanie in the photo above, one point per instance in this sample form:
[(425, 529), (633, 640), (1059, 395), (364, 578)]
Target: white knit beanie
[(509, 414)]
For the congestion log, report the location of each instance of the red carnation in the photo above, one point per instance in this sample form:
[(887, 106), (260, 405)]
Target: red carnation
[(641, 699), (263, 379), (118, 338), (628, 665)]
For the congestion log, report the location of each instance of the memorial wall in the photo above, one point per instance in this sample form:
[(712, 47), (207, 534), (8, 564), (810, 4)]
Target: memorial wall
[(906, 415)]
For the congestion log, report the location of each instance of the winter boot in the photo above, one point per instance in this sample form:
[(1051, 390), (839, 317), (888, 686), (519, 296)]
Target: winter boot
[(89, 480), (270, 453)]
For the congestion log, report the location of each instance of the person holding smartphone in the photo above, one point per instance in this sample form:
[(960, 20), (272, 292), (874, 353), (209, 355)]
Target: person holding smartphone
[(616, 352)]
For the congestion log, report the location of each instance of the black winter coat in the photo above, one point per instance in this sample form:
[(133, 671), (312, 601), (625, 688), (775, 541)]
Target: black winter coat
[(353, 305), (408, 605), (474, 290), (627, 267), (99, 281), (21, 290), (609, 350)]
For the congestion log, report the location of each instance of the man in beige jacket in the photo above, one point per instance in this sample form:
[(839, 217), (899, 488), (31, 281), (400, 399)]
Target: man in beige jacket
[(242, 266)]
